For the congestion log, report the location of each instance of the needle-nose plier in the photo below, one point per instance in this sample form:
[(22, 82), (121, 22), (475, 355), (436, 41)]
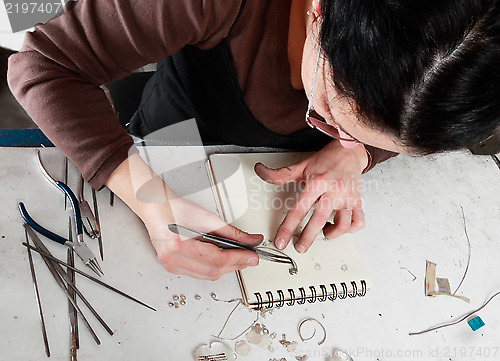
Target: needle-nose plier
[(79, 246)]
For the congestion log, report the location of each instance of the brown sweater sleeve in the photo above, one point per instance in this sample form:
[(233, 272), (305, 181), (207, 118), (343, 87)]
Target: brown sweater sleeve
[(57, 74), (377, 155)]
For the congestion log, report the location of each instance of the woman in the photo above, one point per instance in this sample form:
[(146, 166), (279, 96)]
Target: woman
[(402, 76)]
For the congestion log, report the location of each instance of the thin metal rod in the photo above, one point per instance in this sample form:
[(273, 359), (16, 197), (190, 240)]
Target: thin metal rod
[(96, 214), (73, 340), (469, 249), (73, 317), (60, 282), (80, 188), (67, 279), (65, 181), (457, 321), (37, 296), (96, 280), (495, 158), (87, 303)]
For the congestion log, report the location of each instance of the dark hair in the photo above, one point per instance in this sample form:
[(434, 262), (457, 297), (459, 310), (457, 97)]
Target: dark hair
[(427, 71)]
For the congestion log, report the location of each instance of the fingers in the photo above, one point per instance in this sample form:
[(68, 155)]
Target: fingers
[(226, 261), (341, 224), (202, 260), (292, 173), (207, 222), (295, 215), (231, 232), (345, 221), (192, 257), (316, 223), (358, 219), (213, 271)]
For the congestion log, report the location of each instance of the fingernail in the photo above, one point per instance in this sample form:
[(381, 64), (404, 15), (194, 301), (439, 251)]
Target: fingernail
[(259, 237), (280, 243), (253, 261), (300, 248)]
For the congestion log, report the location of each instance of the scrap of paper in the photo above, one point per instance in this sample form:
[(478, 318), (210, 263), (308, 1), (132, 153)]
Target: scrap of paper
[(443, 283)]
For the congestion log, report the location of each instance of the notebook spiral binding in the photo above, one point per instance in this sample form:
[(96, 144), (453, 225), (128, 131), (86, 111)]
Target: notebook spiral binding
[(268, 300)]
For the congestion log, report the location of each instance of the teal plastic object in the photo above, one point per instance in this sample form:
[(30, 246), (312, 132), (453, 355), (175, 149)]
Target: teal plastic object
[(475, 323)]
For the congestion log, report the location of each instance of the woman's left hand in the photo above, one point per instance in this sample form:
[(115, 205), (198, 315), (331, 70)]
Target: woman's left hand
[(329, 178)]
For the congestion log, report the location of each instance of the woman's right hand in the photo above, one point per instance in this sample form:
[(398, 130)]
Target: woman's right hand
[(158, 206), (189, 256)]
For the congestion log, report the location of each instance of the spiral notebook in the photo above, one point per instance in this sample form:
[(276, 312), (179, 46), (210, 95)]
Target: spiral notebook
[(329, 270)]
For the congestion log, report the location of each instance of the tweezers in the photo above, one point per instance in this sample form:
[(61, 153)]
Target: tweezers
[(225, 243)]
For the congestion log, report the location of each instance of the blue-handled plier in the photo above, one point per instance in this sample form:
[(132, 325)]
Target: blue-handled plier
[(79, 246)]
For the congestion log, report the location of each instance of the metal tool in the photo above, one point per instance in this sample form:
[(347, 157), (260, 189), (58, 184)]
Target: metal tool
[(496, 160), (62, 274), (37, 296), (79, 246), (111, 198), (58, 277), (90, 225), (96, 212), (490, 145), (65, 181), (73, 316), (74, 339), (96, 280), (225, 243)]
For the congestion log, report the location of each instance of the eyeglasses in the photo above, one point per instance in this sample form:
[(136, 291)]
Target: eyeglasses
[(314, 120)]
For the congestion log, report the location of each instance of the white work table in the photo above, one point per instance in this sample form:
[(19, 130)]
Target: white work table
[(413, 214)]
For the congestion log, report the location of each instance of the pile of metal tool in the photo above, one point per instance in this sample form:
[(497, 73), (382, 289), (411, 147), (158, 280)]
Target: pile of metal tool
[(82, 220)]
